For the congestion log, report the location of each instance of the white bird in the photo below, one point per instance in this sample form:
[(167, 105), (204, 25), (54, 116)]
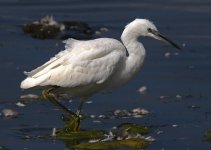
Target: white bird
[(87, 67)]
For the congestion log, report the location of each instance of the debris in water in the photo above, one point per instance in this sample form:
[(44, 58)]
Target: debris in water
[(53, 133), (167, 54), (19, 104), (179, 96), (97, 121), (139, 111), (142, 90), (89, 102), (9, 113), (92, 116), (94, 140), (101, 30), (162, 97), (25, 137), (193, 106), (136, 113), (101, 116), (159, 132), (174, 125), (104, 29), (30, 96), (124, 133)]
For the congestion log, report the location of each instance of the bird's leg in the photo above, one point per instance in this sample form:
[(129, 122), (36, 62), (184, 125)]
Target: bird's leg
[(80, 107), (47, 94), (73, 123)]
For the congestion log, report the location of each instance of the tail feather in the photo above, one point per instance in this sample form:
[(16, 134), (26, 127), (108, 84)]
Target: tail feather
[(28, 83), (33, 82)]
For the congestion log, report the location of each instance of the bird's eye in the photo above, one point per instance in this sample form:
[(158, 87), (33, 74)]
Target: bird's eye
[(149, 30)]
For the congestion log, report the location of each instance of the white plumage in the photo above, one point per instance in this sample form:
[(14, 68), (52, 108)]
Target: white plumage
[(86, 67)]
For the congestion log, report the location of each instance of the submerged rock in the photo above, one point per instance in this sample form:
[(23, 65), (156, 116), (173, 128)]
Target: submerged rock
[(49, 28)]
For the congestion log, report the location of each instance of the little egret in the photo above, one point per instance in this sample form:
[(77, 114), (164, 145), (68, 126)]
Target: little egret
[(87, 67)]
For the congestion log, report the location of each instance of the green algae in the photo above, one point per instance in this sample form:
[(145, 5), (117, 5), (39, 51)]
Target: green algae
[(81, 135), (72, 124), (75, 139), (71, 130), (134, 143), (208, 136), (134, 128)]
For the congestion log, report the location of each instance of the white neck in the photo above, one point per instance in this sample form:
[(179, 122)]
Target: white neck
[(136, 53)]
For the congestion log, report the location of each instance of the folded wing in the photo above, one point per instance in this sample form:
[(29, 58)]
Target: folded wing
[(82, 63)]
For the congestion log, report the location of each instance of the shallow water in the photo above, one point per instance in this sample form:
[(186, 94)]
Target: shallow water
[(175, 123)]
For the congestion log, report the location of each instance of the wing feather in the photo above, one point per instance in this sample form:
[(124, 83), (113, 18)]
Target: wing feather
[(83, 63)]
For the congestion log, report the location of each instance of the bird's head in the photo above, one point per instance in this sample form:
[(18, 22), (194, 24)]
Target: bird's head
[(144, 27)]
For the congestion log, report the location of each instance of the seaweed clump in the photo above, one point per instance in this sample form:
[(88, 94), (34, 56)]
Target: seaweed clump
[(49, 28), (125, 135)]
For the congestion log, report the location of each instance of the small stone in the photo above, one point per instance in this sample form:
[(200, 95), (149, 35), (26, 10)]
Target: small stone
[(9, 113), (142, 90)]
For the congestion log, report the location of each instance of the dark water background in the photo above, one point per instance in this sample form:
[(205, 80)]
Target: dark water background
[(187, 22)]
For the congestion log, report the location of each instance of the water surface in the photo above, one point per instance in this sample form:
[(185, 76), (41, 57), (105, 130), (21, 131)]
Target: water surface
[(175, 124)]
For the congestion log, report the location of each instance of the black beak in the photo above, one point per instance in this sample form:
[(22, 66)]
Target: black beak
[(163, 38)]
